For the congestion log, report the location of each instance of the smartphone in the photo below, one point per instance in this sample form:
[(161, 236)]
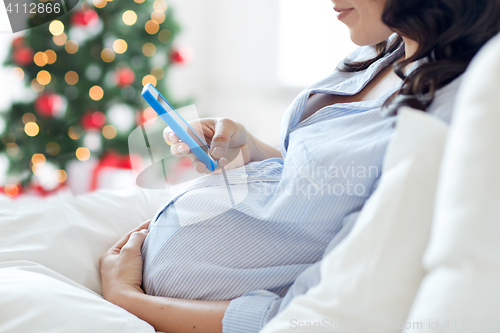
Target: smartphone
[(179, 126)]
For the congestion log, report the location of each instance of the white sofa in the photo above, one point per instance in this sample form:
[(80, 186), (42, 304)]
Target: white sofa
[(423, 256)]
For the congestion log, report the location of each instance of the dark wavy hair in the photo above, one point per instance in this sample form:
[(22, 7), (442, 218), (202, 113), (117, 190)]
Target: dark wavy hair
[(448, 32)]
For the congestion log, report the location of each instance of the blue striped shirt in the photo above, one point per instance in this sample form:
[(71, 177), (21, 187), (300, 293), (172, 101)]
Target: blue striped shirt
[(290, 212)]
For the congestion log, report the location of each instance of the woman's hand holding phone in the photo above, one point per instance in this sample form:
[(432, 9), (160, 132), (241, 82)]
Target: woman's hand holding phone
[(226, 138)]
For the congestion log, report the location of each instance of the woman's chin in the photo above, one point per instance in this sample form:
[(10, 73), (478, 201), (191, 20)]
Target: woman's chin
[(363, 36)]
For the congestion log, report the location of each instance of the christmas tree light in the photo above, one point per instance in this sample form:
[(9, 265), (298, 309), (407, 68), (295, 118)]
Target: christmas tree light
[(82, 153), (31, 129), (56, 27), (40, 59), (51, 56)]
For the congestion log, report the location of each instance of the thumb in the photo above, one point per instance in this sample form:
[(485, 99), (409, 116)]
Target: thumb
[(136, 239), (220, 141)]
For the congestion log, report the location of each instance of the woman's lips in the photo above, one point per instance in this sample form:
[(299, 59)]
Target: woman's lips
[(343, 12)]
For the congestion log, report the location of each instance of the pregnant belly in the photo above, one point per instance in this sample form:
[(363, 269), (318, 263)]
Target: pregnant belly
[(228, 254)]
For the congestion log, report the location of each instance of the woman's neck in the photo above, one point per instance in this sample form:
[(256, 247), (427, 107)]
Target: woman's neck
[(411, 47)]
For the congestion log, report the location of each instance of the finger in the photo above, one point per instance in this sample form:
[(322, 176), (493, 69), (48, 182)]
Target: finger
[(223, 162), (200, 167), (124, 239), (166, 133), (180, 149), (144, 225), (224, 129), (169, 136), (135, 240)]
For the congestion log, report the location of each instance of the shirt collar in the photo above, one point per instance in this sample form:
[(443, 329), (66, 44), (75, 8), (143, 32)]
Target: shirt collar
[(351, 83)]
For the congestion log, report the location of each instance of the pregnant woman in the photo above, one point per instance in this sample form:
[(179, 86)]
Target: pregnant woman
[(231, 269)]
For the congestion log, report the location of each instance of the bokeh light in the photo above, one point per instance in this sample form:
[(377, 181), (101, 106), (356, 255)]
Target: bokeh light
[(40, 59), (158, 17), (8, 138), (38, 159), (12, 149), (165, 36), (43, 77), (139, 1), (149, 79), (120, 46), (17, 74), (71, 78), (107, 55), (36, 86), (158, 72), (11, 190), (53, 148), (28, 117), (149, 49), (109, 131), (31, 129), (51, 56), (60, 40), (152, 27), (82, 153), (71, 47), (56, 27), (129, 17), (96, 93), (93, 141), (149, 114), (160, 6), (100, 3), (61, 175), (74, 133)]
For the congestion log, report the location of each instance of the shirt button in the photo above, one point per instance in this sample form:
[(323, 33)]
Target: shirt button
[(245, 176)]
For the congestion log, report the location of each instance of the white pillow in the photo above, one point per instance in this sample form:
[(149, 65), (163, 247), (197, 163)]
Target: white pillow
[(368, 281), (36, 299), (461, 292), (69, 234)]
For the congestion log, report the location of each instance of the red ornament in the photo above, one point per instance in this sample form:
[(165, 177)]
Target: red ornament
[(12, 190), (38, 190), (93, 120), (48, 105), (110, 159), (23, 55), (18, 42), (125, 77), (84, 18), (181, 55)]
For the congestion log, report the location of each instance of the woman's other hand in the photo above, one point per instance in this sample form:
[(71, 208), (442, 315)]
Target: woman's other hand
[(121, 265), (226, 138)]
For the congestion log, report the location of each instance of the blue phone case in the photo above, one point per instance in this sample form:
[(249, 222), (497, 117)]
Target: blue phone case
[(178, 130)]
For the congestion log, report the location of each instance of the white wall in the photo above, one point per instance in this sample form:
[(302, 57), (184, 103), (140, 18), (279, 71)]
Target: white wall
[(234, 72)]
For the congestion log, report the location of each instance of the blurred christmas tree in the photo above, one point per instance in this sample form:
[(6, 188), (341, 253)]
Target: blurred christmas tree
[(87, 68)]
